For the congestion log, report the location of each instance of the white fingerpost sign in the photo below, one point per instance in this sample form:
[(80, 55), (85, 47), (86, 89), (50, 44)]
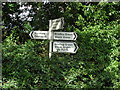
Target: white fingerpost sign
[(57, 46), (57, 24), (62, 47), (39, 34), (64, 36)]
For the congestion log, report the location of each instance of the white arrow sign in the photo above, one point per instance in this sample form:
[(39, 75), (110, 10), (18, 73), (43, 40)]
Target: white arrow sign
[(39, 34), (69, 47), (57, 24), (64, 36)]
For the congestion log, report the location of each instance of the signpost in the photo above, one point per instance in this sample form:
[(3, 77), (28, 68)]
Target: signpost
[(62, 47), (57, 46)]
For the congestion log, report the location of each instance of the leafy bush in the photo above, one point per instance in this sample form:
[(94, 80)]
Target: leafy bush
[(96, 63)]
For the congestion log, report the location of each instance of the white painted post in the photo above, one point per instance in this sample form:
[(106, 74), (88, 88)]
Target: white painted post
[(50, 38)]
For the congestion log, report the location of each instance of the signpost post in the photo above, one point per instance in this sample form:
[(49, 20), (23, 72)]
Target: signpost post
[(55, 24), (57, 46), (50, 38)]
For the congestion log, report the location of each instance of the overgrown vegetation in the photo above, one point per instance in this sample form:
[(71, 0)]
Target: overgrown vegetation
[(96, 63)]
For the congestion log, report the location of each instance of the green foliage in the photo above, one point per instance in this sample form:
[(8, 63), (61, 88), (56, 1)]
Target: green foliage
[(22, 62), (95, 65), (98, 50)]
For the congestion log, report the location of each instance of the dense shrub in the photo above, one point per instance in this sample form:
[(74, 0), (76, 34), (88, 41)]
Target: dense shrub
[(96, 63)]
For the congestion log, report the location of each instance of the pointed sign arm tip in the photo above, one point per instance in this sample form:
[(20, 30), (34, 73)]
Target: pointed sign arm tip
[(76, 47), (75, 36), (31, 34)]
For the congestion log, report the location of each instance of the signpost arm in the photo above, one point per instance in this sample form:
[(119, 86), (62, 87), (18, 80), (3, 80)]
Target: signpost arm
[(50, 38)]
